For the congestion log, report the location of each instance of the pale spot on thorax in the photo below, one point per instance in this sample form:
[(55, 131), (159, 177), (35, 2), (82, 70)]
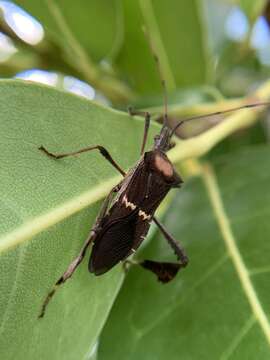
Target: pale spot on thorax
[(163, 166)]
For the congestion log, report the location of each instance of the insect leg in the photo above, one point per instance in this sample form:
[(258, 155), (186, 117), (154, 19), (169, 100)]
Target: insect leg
[(68, 273), (177, 248), (76, 262), (166, 271), (101, 149), (147, 117)]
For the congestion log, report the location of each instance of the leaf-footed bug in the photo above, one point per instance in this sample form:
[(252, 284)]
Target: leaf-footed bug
[(127, 212)]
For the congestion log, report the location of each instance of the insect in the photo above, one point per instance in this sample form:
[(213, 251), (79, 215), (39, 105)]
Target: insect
[(128, 210)]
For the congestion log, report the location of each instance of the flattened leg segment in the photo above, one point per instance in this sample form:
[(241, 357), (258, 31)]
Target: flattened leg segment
[(166, 271)]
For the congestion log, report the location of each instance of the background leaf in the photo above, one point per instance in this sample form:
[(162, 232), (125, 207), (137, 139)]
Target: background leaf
[(96, 25), (34, 188), (179, 38), (205, 312), (178, 34), (252, 9)]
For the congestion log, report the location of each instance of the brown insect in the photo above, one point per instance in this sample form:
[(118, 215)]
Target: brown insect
[(129, 208)]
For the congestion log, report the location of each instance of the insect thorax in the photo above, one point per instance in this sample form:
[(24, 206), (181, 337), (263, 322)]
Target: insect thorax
[(145, 186)]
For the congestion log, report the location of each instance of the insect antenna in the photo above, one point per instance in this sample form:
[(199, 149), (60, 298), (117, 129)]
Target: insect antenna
[(161, 77), (246, 106)]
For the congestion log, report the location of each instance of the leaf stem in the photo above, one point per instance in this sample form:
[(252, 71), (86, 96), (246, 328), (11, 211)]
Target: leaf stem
[(201, 144), (180, 110), (152, 25), (114, 89)]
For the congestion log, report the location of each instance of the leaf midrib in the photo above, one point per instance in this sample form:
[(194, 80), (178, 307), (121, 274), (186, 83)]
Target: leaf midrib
[(223, 221), (44, 221)]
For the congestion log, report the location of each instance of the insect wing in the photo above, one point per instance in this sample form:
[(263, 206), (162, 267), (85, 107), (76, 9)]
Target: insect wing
[(128, 220), (113, 244)]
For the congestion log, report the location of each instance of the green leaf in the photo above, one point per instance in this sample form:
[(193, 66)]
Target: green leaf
[(253, 9), (47, 208), (218, 307), (95, 26), (177, 31)]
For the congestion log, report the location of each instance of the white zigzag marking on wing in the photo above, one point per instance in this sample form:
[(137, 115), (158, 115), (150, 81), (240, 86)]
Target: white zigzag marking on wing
[(144, 215), (128, 204)]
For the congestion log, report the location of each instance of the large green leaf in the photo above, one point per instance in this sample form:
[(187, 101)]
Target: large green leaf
[(218, 307), (46, 215), (178, 34), (95, 26)]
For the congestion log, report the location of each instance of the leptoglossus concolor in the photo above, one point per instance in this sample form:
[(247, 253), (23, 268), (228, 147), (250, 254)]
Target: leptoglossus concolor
[(125, 216)]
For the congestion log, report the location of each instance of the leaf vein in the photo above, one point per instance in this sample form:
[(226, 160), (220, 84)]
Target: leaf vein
[(14, 288), (211, 271), (258, 271), (238, 338), (223, 221)]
